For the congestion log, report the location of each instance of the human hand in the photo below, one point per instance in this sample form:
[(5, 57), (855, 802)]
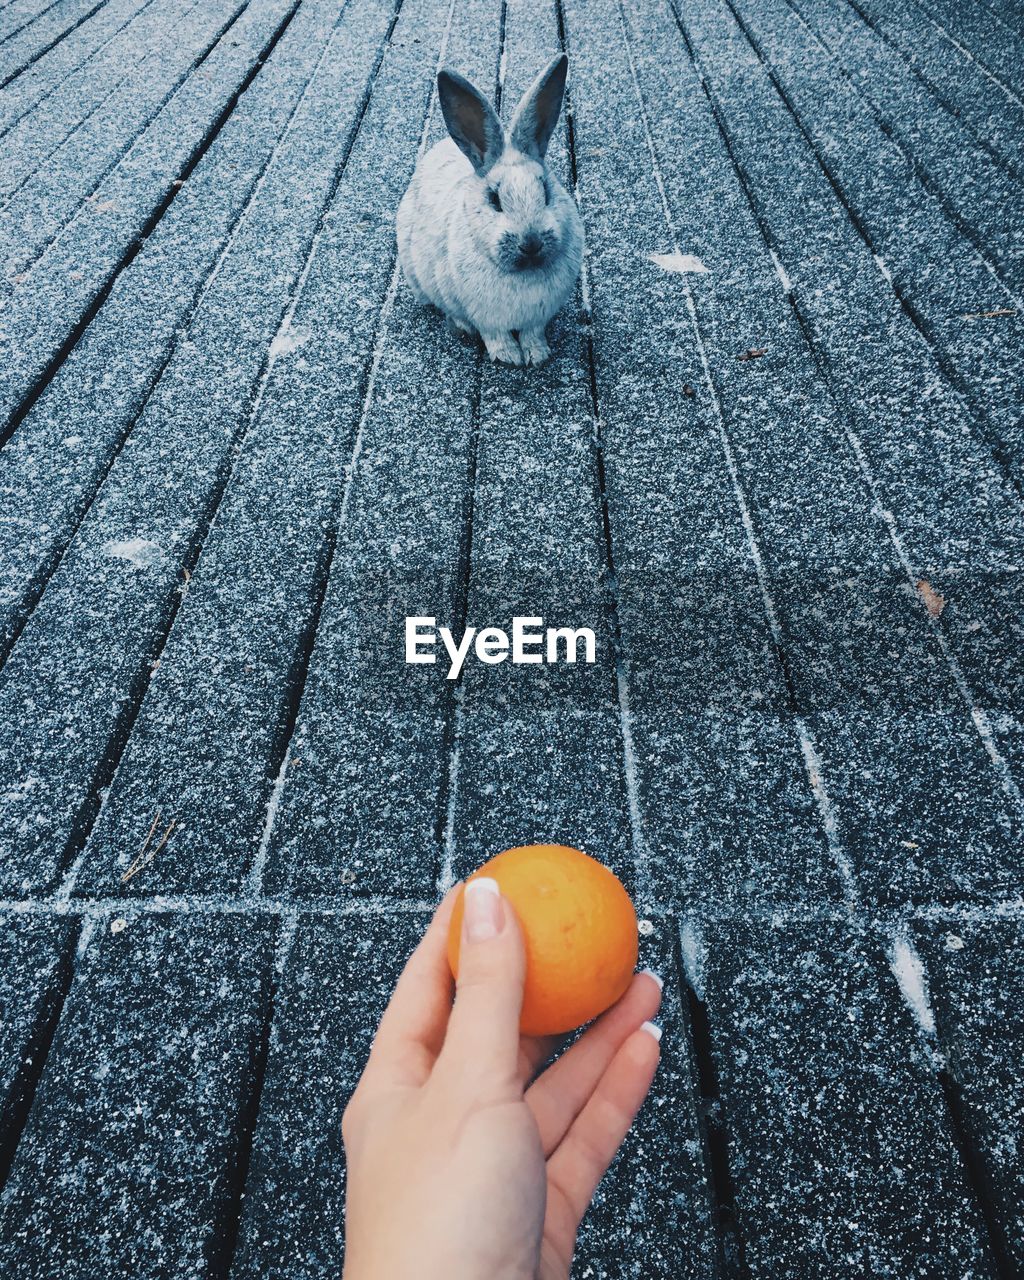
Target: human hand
[(461, 1165)]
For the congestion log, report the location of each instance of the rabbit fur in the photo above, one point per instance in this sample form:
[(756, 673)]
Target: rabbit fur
[(485, 232)]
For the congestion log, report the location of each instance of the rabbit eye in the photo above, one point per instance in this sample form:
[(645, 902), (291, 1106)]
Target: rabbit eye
[(494, 200)]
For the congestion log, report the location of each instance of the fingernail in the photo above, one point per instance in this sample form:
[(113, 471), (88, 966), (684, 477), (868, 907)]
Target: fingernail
[(484, 912), (652, 1029), (656, 976)]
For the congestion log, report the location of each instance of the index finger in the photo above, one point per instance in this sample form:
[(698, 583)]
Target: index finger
[(482, 1047)]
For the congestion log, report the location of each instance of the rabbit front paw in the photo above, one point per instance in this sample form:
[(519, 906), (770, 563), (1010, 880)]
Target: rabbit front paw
[(534, 346), (502, 348)]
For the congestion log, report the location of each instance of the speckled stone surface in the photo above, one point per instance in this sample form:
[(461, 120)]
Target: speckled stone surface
[(932, 491), (43, 196), (339, 974), (82, 69), (943, 272), (276, 514), (654, 1213), (64, 283), (50, 471), (975, 979), (126, 1163), (775, 464), (975, 184), (35, 964), (141, 535), (709, 707), (968, 58), (30, 30), (854, 1169)]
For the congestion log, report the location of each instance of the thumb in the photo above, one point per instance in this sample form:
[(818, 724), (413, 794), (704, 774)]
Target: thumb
[(483, 1032)]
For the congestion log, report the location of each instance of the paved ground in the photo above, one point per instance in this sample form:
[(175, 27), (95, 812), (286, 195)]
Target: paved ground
[(786, 491)]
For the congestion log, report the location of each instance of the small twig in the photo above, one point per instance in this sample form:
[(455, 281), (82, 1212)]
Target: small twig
[(146, 855), (996, 314), (149, 836)]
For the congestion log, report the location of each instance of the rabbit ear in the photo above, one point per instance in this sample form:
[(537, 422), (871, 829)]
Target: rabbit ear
[(471, 121), (536, 116)]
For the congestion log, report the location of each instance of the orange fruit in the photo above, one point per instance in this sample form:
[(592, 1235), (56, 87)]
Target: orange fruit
[(580, 930)]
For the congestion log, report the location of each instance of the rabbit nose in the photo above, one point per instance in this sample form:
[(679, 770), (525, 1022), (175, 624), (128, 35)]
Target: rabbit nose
[(531, 246)]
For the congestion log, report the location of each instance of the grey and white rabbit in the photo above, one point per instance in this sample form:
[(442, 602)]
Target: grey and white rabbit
[(485, 232)]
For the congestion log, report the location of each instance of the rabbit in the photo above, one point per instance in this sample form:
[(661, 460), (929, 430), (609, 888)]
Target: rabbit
[(485, 232)]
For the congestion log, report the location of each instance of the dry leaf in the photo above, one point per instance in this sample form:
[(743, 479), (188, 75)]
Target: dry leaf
[(933, 602), (755, 353)]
